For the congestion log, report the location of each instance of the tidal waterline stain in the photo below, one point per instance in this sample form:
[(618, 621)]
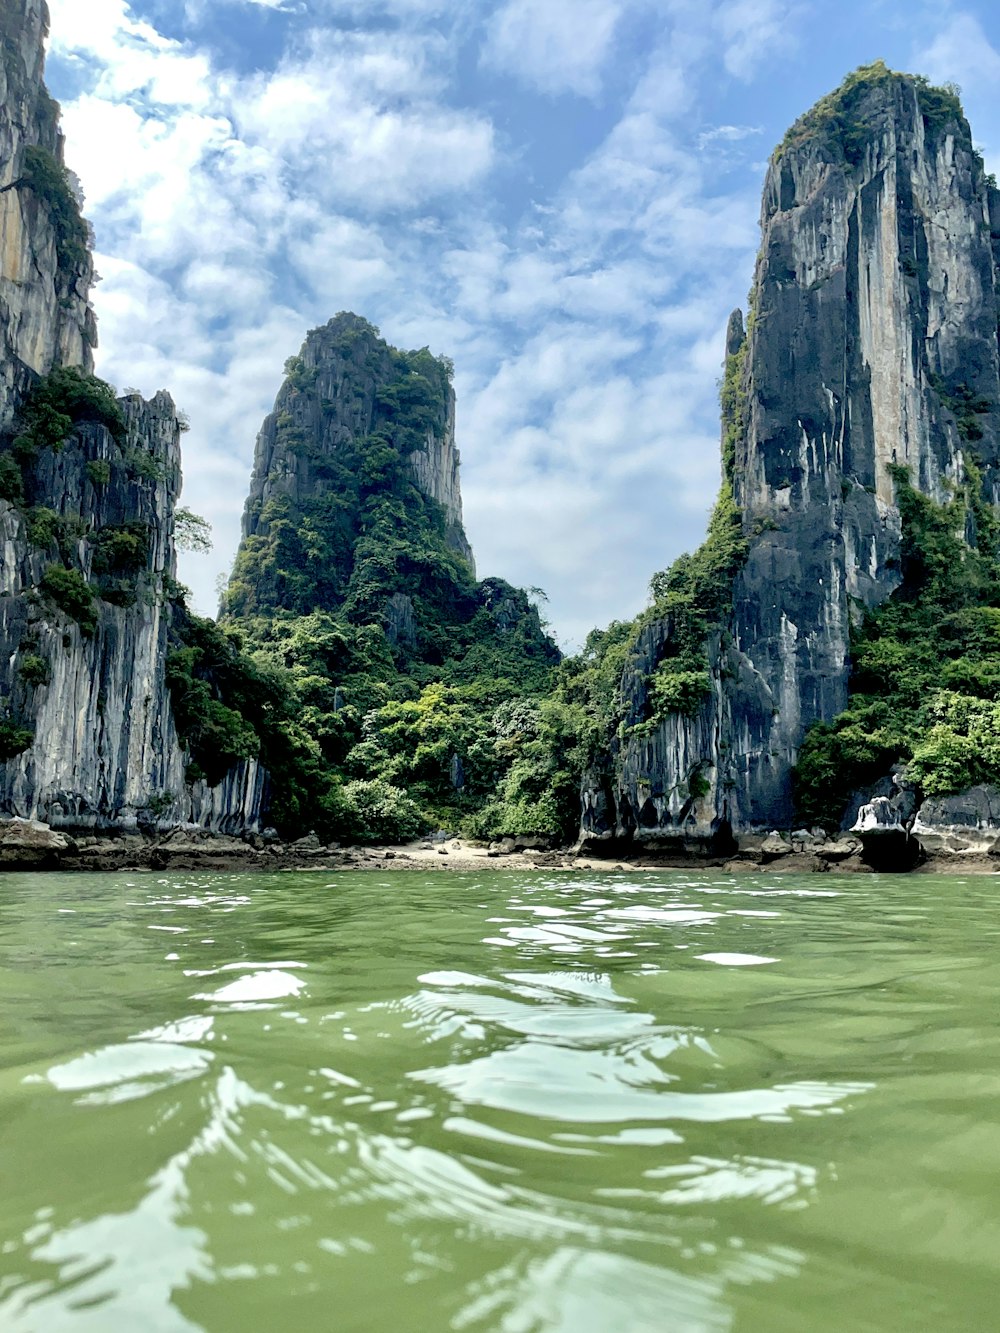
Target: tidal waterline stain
[(510, 1101)]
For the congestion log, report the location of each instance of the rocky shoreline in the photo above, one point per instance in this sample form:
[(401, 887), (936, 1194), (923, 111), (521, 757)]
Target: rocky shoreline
[(28, 845)]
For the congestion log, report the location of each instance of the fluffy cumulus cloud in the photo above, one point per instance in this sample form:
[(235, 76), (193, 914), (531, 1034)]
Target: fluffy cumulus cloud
[(560, 196)]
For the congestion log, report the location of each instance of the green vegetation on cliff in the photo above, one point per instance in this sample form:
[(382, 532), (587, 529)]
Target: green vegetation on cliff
[(352, 528), (58, 403), (49, 180), (352, 588), (842, 121), (695, 596), (88, 560), (925, 678)]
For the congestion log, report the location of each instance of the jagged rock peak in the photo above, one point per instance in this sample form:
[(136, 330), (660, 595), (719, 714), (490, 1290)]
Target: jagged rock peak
[(874, 302), (351, 413), (871, 102), (735, 333)]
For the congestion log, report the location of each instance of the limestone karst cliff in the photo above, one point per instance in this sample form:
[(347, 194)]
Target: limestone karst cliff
[(354, 586), (45, 314), (88, 486), (870, 355), (355, 504), (839, 628), (348, 409)]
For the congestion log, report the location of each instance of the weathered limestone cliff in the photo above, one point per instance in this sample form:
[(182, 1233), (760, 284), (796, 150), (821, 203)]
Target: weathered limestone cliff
[(871, 345), (88, 489), (45, 313), (346, 395), (355, 506)]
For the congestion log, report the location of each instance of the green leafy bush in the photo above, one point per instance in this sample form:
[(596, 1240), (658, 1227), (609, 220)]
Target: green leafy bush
[(58, 402), (34, 670), (11, 480), (44, 527), (673, 691), (122, 549), (72, 594), (49, 180), (383, 813), (191, 531), (298, 375), (99, 472), (962, 746), (145, 466), (14, 739)]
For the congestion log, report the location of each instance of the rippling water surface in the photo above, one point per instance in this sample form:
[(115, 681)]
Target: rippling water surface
[(531, 1103)]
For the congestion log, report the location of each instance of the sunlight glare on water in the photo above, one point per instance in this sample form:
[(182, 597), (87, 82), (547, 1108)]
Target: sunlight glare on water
[(523, 1102)]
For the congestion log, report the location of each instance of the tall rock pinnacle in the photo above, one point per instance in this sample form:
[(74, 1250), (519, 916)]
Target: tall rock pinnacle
[(871, 344), (360, 447)]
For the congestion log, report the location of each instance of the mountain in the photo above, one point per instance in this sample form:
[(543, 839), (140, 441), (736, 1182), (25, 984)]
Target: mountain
[(356, 580), (355, 508), (833, 646), (88, 485), (354, 588), (861, 411)]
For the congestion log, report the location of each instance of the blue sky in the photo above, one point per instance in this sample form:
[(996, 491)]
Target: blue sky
[(561, 195)]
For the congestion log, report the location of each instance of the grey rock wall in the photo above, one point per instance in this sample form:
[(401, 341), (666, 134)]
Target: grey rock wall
[(330, 404), (45, 313), (105, 752), (874, 303)]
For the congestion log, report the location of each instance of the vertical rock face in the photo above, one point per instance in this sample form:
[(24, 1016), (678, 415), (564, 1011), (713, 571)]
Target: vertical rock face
[(436, 472), (87, 563), (872, 343), (104, 746), (45, 314)]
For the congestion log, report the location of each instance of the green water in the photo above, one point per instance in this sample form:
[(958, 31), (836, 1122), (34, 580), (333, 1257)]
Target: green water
[(532, 1103)]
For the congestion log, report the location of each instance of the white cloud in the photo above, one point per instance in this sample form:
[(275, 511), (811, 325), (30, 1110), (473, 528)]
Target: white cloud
[(234, 212), (754, 31), (961, 53), (99, 27), (556, 48), (358, 114), (728, 134)]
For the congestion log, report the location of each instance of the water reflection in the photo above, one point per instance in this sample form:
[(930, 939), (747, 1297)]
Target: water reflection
[(135, 1069)]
